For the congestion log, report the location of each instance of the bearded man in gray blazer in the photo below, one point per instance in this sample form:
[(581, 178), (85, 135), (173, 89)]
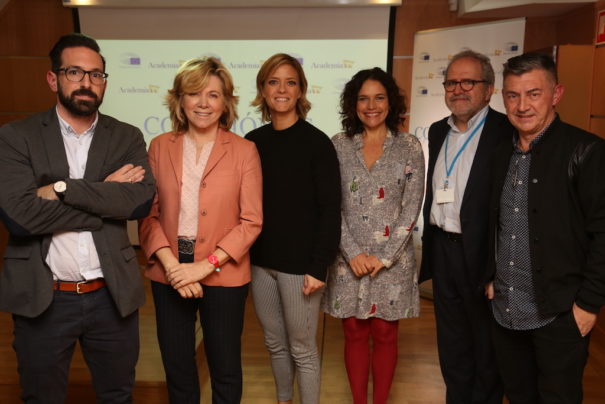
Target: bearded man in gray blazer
[(70, 179)]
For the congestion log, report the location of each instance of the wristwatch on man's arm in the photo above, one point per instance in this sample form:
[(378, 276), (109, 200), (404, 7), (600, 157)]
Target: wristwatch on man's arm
[(60, 187)]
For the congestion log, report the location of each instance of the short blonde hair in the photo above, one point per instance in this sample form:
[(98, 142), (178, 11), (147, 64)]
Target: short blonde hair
[(302, 104), (193, 76)]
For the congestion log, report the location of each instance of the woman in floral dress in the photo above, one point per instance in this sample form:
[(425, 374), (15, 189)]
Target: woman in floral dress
[(374, 281)]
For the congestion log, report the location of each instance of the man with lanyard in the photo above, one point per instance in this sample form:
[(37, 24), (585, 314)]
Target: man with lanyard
[(70, 179), (547, 240), (455, 228)]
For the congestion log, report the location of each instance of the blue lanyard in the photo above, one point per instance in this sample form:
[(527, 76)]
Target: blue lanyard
[(448, 171)]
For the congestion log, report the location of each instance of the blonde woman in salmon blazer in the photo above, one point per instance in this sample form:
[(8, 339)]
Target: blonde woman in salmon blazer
[(206, 214)]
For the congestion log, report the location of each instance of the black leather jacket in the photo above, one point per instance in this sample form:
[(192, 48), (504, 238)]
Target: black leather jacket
[(566, 211)]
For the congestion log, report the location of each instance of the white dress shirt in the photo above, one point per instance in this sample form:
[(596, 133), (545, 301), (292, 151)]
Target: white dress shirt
[(72, 255), (447, 215)]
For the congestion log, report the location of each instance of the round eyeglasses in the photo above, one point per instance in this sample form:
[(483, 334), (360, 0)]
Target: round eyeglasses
[(465, 85), (76, 74)]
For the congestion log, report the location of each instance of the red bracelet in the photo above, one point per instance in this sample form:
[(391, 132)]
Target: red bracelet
[(214, 261)]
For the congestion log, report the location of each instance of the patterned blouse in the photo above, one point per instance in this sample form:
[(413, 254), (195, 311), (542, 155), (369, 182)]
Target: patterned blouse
[(379, 211)]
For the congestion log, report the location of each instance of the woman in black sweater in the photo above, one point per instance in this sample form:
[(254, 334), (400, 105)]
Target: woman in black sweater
[(301, 230)]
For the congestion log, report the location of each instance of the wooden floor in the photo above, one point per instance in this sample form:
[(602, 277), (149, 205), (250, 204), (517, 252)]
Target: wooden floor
[(417, 380)]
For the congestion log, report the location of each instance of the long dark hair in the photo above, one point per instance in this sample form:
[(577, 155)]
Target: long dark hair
[(348, 101)]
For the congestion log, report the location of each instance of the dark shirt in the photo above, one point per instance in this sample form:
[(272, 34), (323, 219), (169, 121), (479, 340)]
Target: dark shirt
[(514, 304), (301, 200), (566, 209)]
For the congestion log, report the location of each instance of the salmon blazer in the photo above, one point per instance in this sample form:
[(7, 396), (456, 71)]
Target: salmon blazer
[(230, 205)]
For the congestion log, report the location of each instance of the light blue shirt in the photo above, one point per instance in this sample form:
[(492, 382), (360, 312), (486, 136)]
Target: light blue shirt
[(447, 215), (72, 256)]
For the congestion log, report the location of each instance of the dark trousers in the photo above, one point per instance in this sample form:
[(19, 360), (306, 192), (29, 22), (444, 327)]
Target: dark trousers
[(221, 312), (463, 328), (544, 365), (45, 345)]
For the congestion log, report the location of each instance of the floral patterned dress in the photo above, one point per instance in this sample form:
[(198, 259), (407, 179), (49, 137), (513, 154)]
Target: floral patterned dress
[(379, 211)]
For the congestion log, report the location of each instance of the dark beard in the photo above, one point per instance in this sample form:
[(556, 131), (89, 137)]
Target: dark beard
[(79, 107)]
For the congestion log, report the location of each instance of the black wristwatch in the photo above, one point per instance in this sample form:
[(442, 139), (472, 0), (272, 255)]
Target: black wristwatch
[(60, 187)]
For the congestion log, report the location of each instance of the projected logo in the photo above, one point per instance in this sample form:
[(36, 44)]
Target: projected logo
[(511, 47), (315, 89), (422, 91), (344, 64), (245, 65), (166, 65), (424, 57), (150, 89), (130, 59), (427, 76), (298, 57), (439, 73), (348, 63)]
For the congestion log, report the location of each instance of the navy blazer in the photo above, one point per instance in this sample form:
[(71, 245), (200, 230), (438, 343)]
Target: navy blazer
[(475, 203)]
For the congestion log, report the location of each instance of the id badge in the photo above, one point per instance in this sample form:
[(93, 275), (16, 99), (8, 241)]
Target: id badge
[(444, 195)]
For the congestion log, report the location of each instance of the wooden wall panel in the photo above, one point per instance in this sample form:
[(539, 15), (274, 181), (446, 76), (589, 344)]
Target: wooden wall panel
[(598, 97), (6, 117), (402, 71), (540, 33), (575, 28), (597, 126), (31, 27), (25, 84), (575, 67), (599, 5)]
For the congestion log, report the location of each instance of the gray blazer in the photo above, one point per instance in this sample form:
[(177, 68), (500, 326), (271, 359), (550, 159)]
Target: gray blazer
[(32, 155)]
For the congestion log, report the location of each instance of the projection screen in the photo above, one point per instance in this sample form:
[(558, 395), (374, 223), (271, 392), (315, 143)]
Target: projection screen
[(145, 47)]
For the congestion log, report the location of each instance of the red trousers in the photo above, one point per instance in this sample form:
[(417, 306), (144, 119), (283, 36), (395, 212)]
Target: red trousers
[(358, 357)]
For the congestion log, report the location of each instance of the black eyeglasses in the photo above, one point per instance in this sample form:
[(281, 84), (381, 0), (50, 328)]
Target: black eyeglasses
[(76, 74), (465, 85)]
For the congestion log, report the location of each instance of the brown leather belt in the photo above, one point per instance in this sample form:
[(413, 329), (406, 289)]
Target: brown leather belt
[(79, 287)]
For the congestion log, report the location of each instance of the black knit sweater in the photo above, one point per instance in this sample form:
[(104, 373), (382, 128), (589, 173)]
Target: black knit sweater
[(301, 200)]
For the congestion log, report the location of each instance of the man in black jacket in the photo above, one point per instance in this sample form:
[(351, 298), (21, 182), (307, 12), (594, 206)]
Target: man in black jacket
[(454, 250), (547, 243)]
